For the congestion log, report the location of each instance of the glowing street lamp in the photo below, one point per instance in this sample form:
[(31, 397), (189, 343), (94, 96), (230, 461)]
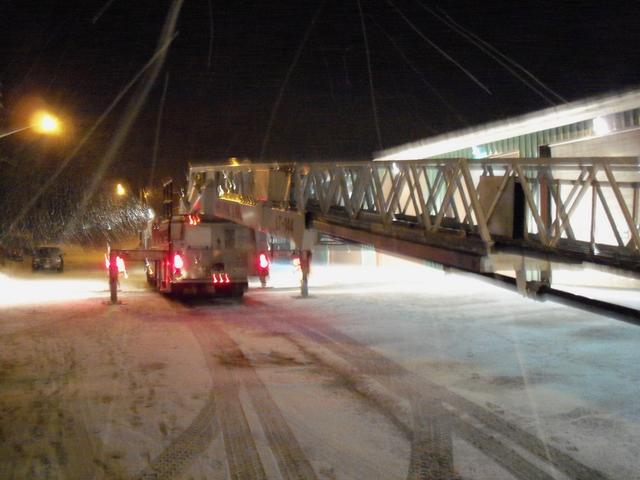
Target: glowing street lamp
[(41, 122), (44, 122), (120, 190)]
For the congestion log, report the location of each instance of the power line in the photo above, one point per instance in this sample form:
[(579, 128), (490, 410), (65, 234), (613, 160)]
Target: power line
[(100, 12), (211, 32), (372, 93), (415, 69), (51, 180), (506, 62), (438, 49), (156, 141), (283, 85)]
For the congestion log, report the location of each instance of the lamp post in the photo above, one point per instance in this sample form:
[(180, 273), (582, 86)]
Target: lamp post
[(42, 122)]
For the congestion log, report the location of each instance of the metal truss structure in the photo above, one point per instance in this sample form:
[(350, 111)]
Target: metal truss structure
[(452, 211)]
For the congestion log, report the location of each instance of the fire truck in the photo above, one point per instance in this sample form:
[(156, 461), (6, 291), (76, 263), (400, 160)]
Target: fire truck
[(190, 254)]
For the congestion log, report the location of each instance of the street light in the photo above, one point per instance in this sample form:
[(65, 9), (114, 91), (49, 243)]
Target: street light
[(44, 122), (120, 190), (41, 122)]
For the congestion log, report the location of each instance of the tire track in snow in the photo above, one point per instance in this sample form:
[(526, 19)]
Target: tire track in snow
[(175, 459), (242, 455), (433, 396), (56, 425), (510, 460), (292, 462), (190, 444), (431, 444), (430, 433)]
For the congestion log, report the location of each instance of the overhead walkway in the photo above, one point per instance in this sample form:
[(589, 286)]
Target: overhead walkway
[(472, 215)]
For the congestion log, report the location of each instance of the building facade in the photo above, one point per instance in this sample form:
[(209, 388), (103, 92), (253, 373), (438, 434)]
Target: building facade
[(607, 125)]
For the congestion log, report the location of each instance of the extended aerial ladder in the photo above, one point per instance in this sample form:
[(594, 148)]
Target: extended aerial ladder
[(467, 214)]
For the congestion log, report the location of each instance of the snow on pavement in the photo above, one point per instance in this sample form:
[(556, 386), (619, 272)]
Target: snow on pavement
[(373, 376)]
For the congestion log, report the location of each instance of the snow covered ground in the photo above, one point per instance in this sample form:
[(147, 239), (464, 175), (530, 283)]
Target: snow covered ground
[(399, 371)]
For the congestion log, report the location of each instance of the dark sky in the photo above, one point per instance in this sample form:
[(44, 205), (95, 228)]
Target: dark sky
[(219, 100)]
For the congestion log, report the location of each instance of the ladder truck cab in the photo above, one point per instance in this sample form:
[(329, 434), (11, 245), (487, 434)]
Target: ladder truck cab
[(204, 255)]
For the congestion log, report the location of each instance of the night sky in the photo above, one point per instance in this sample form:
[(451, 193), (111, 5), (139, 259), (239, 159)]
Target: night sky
[(226, 68)]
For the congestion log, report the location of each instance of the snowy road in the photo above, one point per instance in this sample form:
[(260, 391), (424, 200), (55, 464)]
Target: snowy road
[(372, 377)]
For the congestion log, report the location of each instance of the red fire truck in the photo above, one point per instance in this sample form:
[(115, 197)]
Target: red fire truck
[(189, 254)]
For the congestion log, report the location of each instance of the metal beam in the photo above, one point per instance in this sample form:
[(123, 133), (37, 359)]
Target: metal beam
[(464, 260)]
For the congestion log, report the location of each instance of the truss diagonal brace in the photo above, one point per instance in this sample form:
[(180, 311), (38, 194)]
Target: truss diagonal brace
[(483, 229), (623, 206)]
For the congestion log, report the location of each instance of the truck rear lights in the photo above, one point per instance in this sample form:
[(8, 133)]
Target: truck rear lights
[(178, 263), (192, 219), (221, 278), (263, 261), (262, 265)]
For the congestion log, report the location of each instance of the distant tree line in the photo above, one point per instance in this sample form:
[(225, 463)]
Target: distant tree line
[(57, 216)]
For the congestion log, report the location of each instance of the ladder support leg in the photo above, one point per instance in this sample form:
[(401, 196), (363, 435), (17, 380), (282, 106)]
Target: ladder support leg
[(305, 264)]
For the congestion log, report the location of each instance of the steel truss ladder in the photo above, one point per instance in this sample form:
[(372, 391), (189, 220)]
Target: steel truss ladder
[(461, 213)]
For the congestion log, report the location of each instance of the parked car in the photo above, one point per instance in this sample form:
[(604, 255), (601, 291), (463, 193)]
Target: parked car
[(47, 258), (14, 254), (16, 245)]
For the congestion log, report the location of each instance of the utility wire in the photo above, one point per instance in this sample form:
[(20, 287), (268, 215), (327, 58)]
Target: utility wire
[(27, 207), (415, 69), (100, 12), (283, 85), (136, 103), (156, 141), (438, 49), (505, 61), (211, 32), (374, 107)]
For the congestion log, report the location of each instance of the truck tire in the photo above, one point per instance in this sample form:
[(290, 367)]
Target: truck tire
[(176, 291)]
